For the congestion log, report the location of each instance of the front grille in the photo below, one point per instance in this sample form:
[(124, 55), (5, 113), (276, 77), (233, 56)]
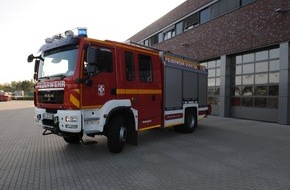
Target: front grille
[(51, 110), (51, 96), (48, 122)]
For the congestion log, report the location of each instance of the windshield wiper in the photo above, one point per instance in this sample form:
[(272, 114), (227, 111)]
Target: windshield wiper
[(62, 76), (46, 77)]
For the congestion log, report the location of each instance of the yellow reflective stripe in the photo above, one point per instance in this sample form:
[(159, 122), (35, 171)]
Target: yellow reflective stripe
[(151, 127), (173, 124), (74, 100), (138, 91), (92, 107)]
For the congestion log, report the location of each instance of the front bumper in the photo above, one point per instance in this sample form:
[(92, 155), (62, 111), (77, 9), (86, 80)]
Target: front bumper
[(68, 121)]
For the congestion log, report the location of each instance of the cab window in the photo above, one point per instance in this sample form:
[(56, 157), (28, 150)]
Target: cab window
[(103, 62), (129, 64), (145, 68)]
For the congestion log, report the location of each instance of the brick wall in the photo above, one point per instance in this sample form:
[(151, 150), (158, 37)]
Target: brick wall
[(253, 26), (179, 12)]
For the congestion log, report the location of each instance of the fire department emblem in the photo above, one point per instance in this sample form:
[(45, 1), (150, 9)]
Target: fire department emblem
[(101, 90)]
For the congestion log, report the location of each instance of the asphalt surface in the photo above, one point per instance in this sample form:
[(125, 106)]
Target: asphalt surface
[(223, 153)]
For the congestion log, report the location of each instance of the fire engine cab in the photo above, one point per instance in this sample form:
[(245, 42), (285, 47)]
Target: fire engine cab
[(93, 87)]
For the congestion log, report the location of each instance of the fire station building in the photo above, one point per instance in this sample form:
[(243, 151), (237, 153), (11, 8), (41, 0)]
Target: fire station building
[(245, 46)]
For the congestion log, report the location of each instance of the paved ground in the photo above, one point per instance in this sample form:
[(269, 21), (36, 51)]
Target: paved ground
[(222, 153)]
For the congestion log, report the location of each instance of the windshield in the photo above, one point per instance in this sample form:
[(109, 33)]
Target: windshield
[(58, 63)]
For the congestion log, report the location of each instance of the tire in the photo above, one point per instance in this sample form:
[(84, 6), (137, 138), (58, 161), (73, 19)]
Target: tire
[(190, 121), (72, 139), (117, 134)]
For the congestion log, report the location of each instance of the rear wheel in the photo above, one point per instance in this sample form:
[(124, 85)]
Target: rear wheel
[(72, 139), (117, 134)]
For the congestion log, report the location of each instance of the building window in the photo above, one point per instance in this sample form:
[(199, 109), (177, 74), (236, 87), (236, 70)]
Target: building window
[(222, 7), (146, 42), (191, 21), (153, 40), (215, 10), (160, 37), (204, 15), (213, 81), (169, 34), (245, 2), (255, 79), (179, 28), (233, 4)]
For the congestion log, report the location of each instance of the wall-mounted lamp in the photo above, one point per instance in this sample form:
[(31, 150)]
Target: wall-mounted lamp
[(280, 10), (184, 44)]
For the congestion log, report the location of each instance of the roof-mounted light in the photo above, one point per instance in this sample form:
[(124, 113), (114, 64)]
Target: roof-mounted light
[(57, 37), (48, 40), (82, 32), (69, 33)]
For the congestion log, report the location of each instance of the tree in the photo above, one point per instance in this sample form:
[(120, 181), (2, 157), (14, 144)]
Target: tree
[(6, 87), (26, 86)]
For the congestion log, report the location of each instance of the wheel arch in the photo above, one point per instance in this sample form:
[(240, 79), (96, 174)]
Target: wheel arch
[(129, 117), (193, 110), (190, 123)]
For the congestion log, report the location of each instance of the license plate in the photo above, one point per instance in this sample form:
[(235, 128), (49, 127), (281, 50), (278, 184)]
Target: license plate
[(48, 116)]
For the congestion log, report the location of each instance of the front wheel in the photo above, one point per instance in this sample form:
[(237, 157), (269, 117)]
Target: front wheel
[(117, 134)]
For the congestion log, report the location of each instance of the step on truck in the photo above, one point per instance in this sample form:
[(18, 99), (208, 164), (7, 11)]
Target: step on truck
[(91, 87)]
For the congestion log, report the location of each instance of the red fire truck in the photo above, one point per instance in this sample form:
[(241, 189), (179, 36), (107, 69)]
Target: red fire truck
[(93, 87)]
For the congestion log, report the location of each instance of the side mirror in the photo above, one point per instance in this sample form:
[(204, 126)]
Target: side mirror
[(30, 58), (36, 67), (92, 54), (91, 69)]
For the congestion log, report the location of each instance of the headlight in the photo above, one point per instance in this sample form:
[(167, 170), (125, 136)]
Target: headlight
[(71, 118)]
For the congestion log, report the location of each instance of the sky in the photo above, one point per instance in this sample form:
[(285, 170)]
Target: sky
[(24, 25)]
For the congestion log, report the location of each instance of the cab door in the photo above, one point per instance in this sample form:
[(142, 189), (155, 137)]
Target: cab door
[(100, 79)]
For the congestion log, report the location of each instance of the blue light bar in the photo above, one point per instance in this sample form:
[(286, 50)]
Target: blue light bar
[(82, 32)]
